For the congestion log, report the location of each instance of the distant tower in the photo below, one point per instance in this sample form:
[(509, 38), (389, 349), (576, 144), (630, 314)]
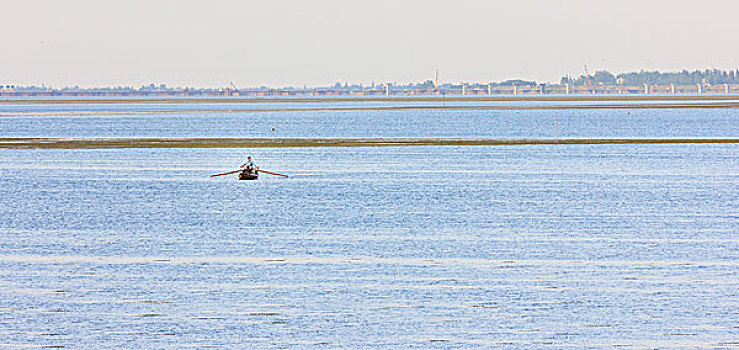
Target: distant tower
[(436, 81)]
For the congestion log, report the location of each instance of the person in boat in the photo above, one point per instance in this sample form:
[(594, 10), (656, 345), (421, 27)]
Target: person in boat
[(250, 167)]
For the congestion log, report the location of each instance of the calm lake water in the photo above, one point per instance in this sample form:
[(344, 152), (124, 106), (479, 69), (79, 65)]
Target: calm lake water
[(415, 247), (44, 121), (585, 246)]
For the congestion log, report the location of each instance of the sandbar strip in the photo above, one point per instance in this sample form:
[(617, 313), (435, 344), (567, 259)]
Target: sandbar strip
[(110, 143), (360, 260)]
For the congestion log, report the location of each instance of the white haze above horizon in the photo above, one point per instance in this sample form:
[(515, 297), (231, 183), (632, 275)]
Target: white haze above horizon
[(320, 42)]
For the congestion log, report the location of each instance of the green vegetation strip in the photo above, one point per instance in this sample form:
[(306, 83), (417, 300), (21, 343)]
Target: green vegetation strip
[(100, 143)]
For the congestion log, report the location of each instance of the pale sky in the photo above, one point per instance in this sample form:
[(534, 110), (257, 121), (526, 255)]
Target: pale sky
[(208, 43)]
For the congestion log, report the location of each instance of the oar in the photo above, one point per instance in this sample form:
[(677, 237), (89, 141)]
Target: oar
[(271, 173), (230, 172)]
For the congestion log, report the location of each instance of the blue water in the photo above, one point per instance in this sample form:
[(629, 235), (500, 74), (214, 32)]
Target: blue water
[(10, 106), (603, 123), (595, 247)]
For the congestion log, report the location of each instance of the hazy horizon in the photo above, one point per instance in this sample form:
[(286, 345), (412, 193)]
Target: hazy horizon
[(281, 43)]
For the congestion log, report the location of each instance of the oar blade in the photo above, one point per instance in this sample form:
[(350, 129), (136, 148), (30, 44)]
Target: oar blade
[(271, 173), (227, 173)]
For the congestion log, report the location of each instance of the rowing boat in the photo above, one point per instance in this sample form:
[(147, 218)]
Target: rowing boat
[(248, 175)]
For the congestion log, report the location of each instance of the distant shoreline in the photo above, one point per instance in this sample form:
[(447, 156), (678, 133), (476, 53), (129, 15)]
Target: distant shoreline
[(435, 98), (115, 143), (666, 105)]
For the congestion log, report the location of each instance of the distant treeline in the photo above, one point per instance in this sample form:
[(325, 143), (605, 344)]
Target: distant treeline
[(708, 76)]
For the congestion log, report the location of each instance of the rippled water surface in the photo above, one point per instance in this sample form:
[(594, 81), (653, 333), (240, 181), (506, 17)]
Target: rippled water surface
[(189, 120), (415, 247)]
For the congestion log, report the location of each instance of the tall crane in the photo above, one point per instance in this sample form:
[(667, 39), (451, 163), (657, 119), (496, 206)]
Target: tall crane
[(590, 84), (232, 90)]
